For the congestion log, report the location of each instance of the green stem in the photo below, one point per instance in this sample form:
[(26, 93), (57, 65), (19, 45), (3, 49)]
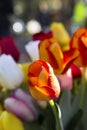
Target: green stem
[(83, 83), (57, 115)]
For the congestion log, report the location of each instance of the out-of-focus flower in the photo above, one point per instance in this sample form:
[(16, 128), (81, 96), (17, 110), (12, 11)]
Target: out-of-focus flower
[(66, 80), (32, 49), (5, 122), (43, 83), (24, 67), (50, 51), (8, 46), (42, 35), (79, 41), (61, 34), (22, 105), (76, 71), (11, 76)]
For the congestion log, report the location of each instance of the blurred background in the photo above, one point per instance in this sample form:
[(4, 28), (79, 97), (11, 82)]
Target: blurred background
[(23, 18)]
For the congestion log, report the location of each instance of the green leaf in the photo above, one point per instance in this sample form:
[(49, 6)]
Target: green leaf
[(31, 126), (49, 120), (76, 102), (65, 106), (84, 118), (74, 122)]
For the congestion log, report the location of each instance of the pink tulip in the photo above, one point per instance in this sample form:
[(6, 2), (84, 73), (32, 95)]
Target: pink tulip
[(22, 105), (66, 80)]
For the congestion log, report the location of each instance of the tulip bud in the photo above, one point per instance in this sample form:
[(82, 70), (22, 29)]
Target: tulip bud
[(43, 84), (32, 49), (22, 105), (11, 76), (5, 122)]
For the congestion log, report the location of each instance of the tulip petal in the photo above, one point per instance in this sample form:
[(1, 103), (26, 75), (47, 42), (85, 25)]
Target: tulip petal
[(36, 67), (42, 35), (11, 76), (7, 118), (27, 100), (61, 34), (74, 42), (19, 108), (69, 57), (56, 51), (43, 93), (79, 41), (32, 50), (51, 52), (66, 80)]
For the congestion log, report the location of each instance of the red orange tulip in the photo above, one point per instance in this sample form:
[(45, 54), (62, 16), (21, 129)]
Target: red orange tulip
[(79, 41), (43, 83), (50, 51)]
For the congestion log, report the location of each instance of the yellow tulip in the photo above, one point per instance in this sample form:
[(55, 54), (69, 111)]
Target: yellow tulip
[(24, 67), (5, 122), (61, 34)]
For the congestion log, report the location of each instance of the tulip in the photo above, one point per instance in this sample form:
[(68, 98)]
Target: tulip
[(5, 122), (24, 68), (42, 35), (8, 46), (43, 83), (61, 34), (51, 52), (32, 50), (32, 46), (76, 71), (66, 80), (11, 76), (79, 41), (22, 105)]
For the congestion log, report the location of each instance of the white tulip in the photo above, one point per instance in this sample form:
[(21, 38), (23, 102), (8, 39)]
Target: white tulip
[(32, 49), (11, 76)]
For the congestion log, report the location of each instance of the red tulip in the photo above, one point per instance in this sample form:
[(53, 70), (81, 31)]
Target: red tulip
[(43, 83), (8, 46), (42, 35), (76, 71)]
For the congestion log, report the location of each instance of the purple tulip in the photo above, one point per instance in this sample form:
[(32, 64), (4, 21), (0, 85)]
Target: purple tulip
[(22, 105)]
